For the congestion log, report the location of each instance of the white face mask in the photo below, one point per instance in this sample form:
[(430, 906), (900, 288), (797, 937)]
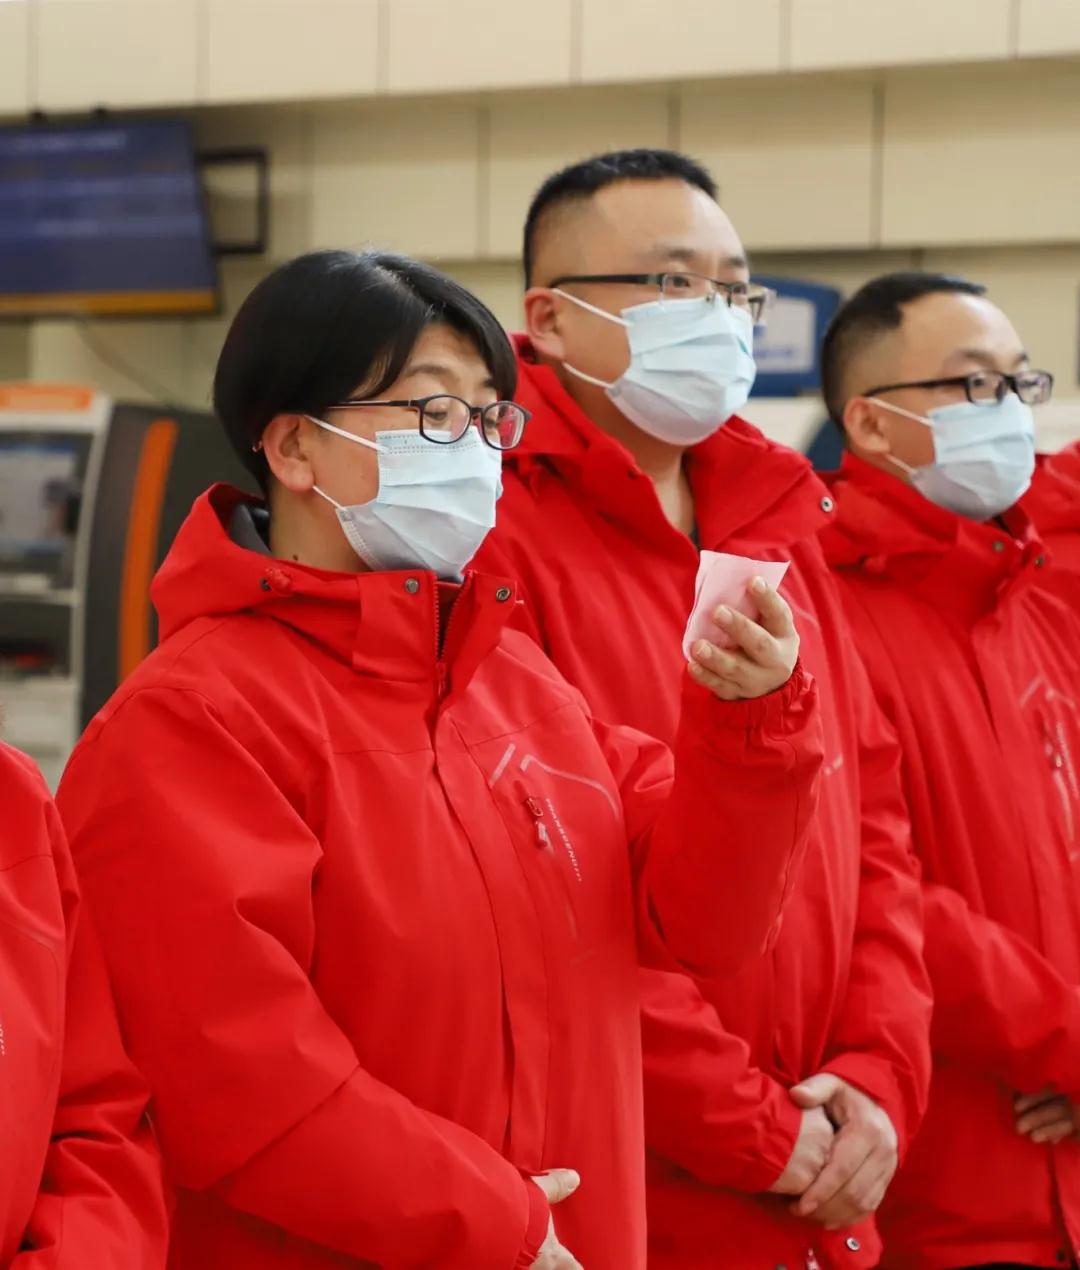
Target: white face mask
[(984, 456), (435, 505), (691, 366)]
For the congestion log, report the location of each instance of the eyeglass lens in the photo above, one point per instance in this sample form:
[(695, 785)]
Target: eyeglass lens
[(691, 286), (446, 419)]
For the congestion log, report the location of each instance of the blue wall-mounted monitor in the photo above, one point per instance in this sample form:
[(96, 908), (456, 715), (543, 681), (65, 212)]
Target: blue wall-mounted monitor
[(103, 220), (788, 348)]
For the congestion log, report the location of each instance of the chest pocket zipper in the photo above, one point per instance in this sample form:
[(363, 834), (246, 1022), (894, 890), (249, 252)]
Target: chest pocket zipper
[(543, 843), (543, 838)]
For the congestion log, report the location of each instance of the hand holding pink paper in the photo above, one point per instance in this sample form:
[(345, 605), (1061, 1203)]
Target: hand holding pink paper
[(724, 579)]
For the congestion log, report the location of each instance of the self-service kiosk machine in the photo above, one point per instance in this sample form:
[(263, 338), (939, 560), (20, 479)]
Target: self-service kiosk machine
[(92, 493)]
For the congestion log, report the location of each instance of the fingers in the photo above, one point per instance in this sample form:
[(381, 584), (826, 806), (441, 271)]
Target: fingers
[(562, 1259), (1025, 1102), (816, 1091), (728, 664), (731, 674), (750, 636), (720, 685), (1056, 1133), (558, 1184), (1048, 1122), (553, 1256), (851, 1150), (774, 613), (861, 1197), (808, 1156), (1044, 1116)]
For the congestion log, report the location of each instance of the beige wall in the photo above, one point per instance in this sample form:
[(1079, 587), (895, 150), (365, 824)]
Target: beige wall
[(913, 158), (185, 52), (832, 176)]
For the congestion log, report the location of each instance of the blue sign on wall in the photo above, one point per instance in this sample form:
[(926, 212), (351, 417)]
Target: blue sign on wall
[(788, 349)]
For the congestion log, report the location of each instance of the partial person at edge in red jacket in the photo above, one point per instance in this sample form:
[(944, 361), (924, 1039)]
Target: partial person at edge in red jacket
[(372, 879), (80, 1176), (637, 280), (977, 666), (1053, 503)]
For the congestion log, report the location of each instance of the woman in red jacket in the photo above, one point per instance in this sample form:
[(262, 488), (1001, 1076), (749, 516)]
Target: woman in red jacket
[(372, 880), (80, 1178)]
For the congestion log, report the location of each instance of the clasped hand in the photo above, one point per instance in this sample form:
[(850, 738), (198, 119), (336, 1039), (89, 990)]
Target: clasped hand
[(845, 1155)]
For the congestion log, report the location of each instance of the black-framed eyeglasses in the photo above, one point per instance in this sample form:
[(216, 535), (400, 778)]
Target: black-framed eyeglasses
[(687, 286), (987, 387), (445, 419)]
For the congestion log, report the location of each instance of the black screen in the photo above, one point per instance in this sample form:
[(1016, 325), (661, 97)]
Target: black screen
[(101, 220)]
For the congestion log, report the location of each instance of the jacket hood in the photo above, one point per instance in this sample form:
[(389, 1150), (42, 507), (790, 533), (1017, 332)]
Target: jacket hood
[(207, 574), (392, 624), (885, 528)]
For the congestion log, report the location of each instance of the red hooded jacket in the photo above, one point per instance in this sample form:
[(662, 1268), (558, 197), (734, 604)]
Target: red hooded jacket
[(978, 669), (80, 1177), (1053, 503), (365, 874), (610, 583)]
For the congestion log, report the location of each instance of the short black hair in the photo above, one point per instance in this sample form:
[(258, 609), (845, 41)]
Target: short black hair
[(580, 181), (319, 326), (875, 308)]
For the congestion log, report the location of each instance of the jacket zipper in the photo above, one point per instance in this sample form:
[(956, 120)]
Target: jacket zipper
[(444, 633), (543, 838)]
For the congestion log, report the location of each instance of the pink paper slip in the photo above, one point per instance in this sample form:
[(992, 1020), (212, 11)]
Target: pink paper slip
[(723, 579)]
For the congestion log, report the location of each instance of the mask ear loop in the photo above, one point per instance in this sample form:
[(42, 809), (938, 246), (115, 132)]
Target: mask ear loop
[(349, 436), (589, 308), (332, 501), (329, 427), (908, 414)]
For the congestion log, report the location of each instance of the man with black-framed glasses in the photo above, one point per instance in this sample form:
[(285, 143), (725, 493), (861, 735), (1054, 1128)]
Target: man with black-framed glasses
[(778, 1101), (977, 665)]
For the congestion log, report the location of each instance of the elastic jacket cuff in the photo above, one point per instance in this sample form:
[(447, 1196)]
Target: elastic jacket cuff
[(537, 1226), (776, 712)]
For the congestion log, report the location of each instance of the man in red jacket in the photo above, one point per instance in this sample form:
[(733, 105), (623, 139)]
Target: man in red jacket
[(80, 1176), (977, 665), (776, 1099)]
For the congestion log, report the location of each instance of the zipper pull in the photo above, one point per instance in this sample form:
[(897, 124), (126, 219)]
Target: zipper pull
[(533, 807)]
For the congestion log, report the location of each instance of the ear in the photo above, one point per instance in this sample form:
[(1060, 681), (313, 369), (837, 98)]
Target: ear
[(287, 442), (863, 427), (542, 323)]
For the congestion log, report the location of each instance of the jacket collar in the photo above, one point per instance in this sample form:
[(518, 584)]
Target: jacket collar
[(741, 481), (885, 528), (403, 625)]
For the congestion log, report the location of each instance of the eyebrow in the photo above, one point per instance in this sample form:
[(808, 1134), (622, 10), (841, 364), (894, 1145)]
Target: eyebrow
[(676, 251), (428, 368), (440, 371), (982, 357)]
